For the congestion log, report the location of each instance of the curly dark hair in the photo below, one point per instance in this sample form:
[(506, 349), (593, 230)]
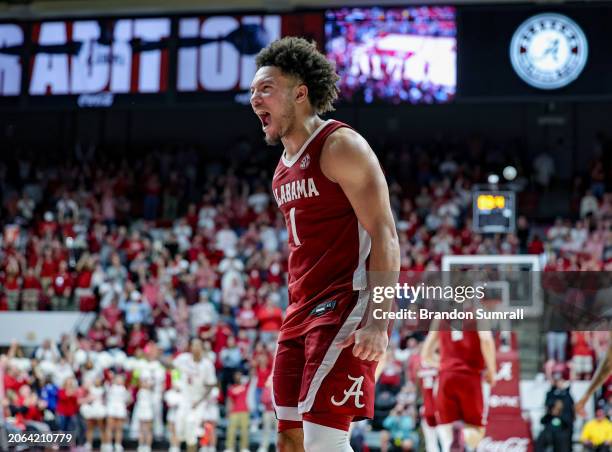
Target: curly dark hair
[(301, 59)]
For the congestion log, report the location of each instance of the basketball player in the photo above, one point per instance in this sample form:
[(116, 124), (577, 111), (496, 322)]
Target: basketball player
[(463, 355), (334, 197), (197, 380), (601, 374), (427, 377)]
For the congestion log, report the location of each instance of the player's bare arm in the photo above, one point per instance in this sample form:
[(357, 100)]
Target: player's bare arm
[(348, 160), (428, 352), (487, 347), (601, 374)]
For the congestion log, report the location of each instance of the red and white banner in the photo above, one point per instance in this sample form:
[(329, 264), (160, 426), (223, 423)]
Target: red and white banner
[(506, 431), (11, 36), (94, 56), (223, 63)]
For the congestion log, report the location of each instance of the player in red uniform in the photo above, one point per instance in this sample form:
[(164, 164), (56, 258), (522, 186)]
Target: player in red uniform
[(463, 355), (335, 200), (427, 378)]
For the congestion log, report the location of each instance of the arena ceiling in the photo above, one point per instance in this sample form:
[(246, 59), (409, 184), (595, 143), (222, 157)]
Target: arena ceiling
[(31, 9)]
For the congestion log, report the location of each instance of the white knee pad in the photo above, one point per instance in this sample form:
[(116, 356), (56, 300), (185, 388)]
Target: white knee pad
[(319, 438)]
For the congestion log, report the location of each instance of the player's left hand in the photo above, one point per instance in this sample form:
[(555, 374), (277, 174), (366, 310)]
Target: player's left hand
[(370, 343), (490, 377), (579, 407)]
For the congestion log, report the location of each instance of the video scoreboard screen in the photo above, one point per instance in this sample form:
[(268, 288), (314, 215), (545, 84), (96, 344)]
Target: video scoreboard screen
[(394, 55), (494, 211)]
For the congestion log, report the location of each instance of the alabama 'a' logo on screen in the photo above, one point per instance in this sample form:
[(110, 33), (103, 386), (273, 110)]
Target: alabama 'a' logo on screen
[(549, 51)]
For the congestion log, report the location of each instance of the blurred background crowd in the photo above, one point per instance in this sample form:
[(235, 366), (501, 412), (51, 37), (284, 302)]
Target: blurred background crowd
[(167, 246)]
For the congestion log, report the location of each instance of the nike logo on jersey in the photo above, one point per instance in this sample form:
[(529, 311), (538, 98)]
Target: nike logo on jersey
[(322, 308), (297, 189)]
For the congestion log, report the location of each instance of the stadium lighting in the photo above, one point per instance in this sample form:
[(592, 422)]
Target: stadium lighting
[(509, 173)]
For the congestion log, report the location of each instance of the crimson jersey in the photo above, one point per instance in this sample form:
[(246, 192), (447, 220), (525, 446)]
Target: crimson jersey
[(328, 247), (460, 352)]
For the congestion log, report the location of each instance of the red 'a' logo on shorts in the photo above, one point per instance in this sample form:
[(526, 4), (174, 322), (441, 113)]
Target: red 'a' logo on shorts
[(354, 390)]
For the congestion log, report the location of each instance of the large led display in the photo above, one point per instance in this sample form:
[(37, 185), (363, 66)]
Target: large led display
[(394, 55)]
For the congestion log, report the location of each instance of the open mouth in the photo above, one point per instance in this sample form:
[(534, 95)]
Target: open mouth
[(265, 119)]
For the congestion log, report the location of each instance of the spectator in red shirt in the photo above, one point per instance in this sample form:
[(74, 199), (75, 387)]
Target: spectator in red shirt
[(84, 291), (63, 283), (98, 333), (12, 282), (247, 319), (275, 273), (536, 246), (28, 409), (67, 405), (112, 314), (48, 267), (238, 410), (262, 370), (14, 379), (138, 339), (32, 289), (115, 338), (48, 227), (270, 319)]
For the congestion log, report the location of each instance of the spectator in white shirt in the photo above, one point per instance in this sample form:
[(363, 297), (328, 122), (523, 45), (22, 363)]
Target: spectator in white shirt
[(47, 352), (202, 313)]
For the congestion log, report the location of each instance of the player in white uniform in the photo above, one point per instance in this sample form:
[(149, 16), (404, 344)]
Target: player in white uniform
[(210, 418), (117, 398), (157, 373), (196, 382)]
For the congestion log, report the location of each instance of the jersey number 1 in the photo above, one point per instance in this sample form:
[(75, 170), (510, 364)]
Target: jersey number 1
[(296, 239)]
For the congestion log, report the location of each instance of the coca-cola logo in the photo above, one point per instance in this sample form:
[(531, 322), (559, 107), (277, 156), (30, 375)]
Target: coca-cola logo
[(512, 444), (499, 401)]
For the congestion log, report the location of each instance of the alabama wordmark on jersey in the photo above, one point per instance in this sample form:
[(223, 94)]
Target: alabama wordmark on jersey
[(294, 190)]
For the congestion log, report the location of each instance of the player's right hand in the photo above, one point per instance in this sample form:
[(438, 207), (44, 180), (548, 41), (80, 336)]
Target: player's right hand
[(490, 378), (369, 343)]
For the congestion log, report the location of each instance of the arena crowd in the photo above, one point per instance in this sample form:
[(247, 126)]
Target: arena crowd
[(177, 246)]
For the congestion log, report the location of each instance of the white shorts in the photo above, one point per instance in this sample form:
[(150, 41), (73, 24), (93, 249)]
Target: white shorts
[(116, 410), (188, 423), (143, 412), (93, 411), (211, 413)]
